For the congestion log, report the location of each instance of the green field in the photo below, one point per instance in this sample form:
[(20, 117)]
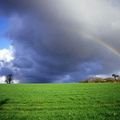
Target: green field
[(85, 101)]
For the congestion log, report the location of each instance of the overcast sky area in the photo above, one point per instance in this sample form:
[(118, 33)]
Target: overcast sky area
[(57, 41)]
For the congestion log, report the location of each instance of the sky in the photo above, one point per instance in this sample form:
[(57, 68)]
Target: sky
[(4, 41), (59, 41)]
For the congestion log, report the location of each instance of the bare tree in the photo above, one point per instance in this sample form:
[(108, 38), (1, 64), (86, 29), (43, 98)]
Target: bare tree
[(115, 76), (9, 79)]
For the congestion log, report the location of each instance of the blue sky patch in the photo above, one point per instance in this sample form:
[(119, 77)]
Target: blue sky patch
[(3, 25), (4, 43)]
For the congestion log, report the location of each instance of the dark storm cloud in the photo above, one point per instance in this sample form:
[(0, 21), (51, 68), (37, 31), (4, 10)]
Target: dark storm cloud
[(5, 68), (5, 71), (49, 44)]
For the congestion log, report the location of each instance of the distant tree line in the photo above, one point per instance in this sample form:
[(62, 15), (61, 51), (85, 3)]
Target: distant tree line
[(114, 79)]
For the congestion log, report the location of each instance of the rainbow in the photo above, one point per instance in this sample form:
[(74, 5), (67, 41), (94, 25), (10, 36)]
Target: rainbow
[(98, 40), (101, 42)]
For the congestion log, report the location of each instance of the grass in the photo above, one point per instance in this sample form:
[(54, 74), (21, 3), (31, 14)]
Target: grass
[(85, 101)]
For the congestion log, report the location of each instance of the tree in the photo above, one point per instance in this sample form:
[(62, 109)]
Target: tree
[(115, 76), (9, 79)]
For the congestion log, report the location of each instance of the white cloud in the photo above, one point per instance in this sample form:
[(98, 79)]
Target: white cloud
[(7, 55), (103, 76), (16, 81), (2, 80)]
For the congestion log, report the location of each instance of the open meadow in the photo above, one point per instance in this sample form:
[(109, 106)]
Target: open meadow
[(82, 101)]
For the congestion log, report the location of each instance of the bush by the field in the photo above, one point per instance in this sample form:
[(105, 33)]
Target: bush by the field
[(101, 80)]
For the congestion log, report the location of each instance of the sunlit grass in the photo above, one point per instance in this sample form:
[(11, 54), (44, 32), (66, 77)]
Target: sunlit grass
[(60, 101)]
